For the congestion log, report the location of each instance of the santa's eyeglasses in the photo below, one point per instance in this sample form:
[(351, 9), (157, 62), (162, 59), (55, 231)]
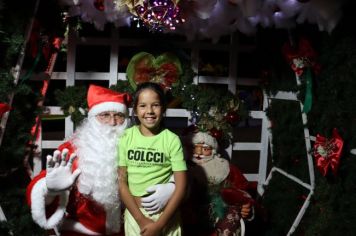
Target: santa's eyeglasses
[(202, 149), (107, 116)]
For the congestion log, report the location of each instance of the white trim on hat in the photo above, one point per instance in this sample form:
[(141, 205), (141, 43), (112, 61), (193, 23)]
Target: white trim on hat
[(107, 106), (202, 137)]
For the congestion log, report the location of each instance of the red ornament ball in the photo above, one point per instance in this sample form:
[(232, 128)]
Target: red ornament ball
[(232, 117), (216, 133)]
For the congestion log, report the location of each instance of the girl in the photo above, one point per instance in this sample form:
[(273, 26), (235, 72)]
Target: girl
[(149, 154)]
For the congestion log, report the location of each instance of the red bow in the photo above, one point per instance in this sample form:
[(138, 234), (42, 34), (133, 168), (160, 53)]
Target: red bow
[(4, 108), (327, 152), (165, 75), (301, 56)]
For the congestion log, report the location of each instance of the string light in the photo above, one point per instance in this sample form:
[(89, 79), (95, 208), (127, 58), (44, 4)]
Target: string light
[(158, 15)]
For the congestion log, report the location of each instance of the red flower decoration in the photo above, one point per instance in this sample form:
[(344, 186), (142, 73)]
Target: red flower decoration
[(301, 56), (327, 153)]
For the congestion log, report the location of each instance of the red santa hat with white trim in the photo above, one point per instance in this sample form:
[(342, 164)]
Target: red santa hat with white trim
[(205, 138), (102, 99)]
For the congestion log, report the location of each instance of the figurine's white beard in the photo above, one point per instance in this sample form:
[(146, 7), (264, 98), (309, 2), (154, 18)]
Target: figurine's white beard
[(96, 149)]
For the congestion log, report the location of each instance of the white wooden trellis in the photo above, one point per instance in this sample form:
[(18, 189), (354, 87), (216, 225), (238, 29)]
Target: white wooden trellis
[(2, 215), (309, 186), (115, 42)]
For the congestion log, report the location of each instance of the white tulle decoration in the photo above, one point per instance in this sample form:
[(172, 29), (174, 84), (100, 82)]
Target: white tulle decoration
[(324, 13), (89, 13), (215, 18), (204, 9), (250, 7)]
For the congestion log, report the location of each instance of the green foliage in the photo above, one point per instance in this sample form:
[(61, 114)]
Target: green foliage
[(13, 23), (335, 107), (289, 152), (123, 86), (13, 149), (20, 121), (283, 198), (19, 221), (332, 207), (73, 102), (210, 105), (6, 85), (15, 17)]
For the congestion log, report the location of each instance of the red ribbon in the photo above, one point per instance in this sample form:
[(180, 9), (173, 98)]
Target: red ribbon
[(301, 56), (165, 75), (327, 152)]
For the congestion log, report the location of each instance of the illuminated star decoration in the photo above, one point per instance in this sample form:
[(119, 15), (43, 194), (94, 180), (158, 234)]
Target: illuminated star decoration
[(158, 15)]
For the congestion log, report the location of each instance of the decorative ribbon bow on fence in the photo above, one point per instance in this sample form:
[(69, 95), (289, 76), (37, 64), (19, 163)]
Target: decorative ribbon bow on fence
[(302, 57), (327, 152)]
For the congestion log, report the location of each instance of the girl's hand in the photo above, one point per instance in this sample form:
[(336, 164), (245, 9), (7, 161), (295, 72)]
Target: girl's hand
[(151, 229), (144, 222)]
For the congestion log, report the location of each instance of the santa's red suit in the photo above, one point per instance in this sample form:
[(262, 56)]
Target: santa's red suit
[(73, 205), (90, 205), (216, 184)]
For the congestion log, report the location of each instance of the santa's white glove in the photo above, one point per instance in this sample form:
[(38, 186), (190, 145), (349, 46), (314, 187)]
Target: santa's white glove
[(160, 194), (59, 175)]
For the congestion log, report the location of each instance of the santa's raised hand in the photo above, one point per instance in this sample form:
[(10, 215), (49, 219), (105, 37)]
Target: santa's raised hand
[(59, 176)]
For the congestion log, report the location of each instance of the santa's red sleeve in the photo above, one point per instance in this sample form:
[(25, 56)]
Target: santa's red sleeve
[(235, 192), (237, 179), (47, 215)]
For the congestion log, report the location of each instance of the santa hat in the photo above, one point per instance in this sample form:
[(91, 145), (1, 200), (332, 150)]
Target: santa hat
[(203, 137), (101, 99)]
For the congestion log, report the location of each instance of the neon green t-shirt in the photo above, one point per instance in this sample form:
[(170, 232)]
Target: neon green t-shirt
[(150, 160)]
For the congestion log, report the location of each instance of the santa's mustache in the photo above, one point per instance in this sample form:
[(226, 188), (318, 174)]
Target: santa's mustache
[(201, 156)]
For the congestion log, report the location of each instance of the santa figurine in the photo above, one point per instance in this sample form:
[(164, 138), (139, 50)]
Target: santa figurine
[(77, 193), (218, 189)]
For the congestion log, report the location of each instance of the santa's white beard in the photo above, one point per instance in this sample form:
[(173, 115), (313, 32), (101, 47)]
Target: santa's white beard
[(96, 150)]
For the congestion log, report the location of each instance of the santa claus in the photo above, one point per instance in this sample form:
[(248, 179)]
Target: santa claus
[(219, 189), (78, 193)]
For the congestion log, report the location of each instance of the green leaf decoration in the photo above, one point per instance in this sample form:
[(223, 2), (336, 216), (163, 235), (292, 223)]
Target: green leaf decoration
[(143, 67)]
